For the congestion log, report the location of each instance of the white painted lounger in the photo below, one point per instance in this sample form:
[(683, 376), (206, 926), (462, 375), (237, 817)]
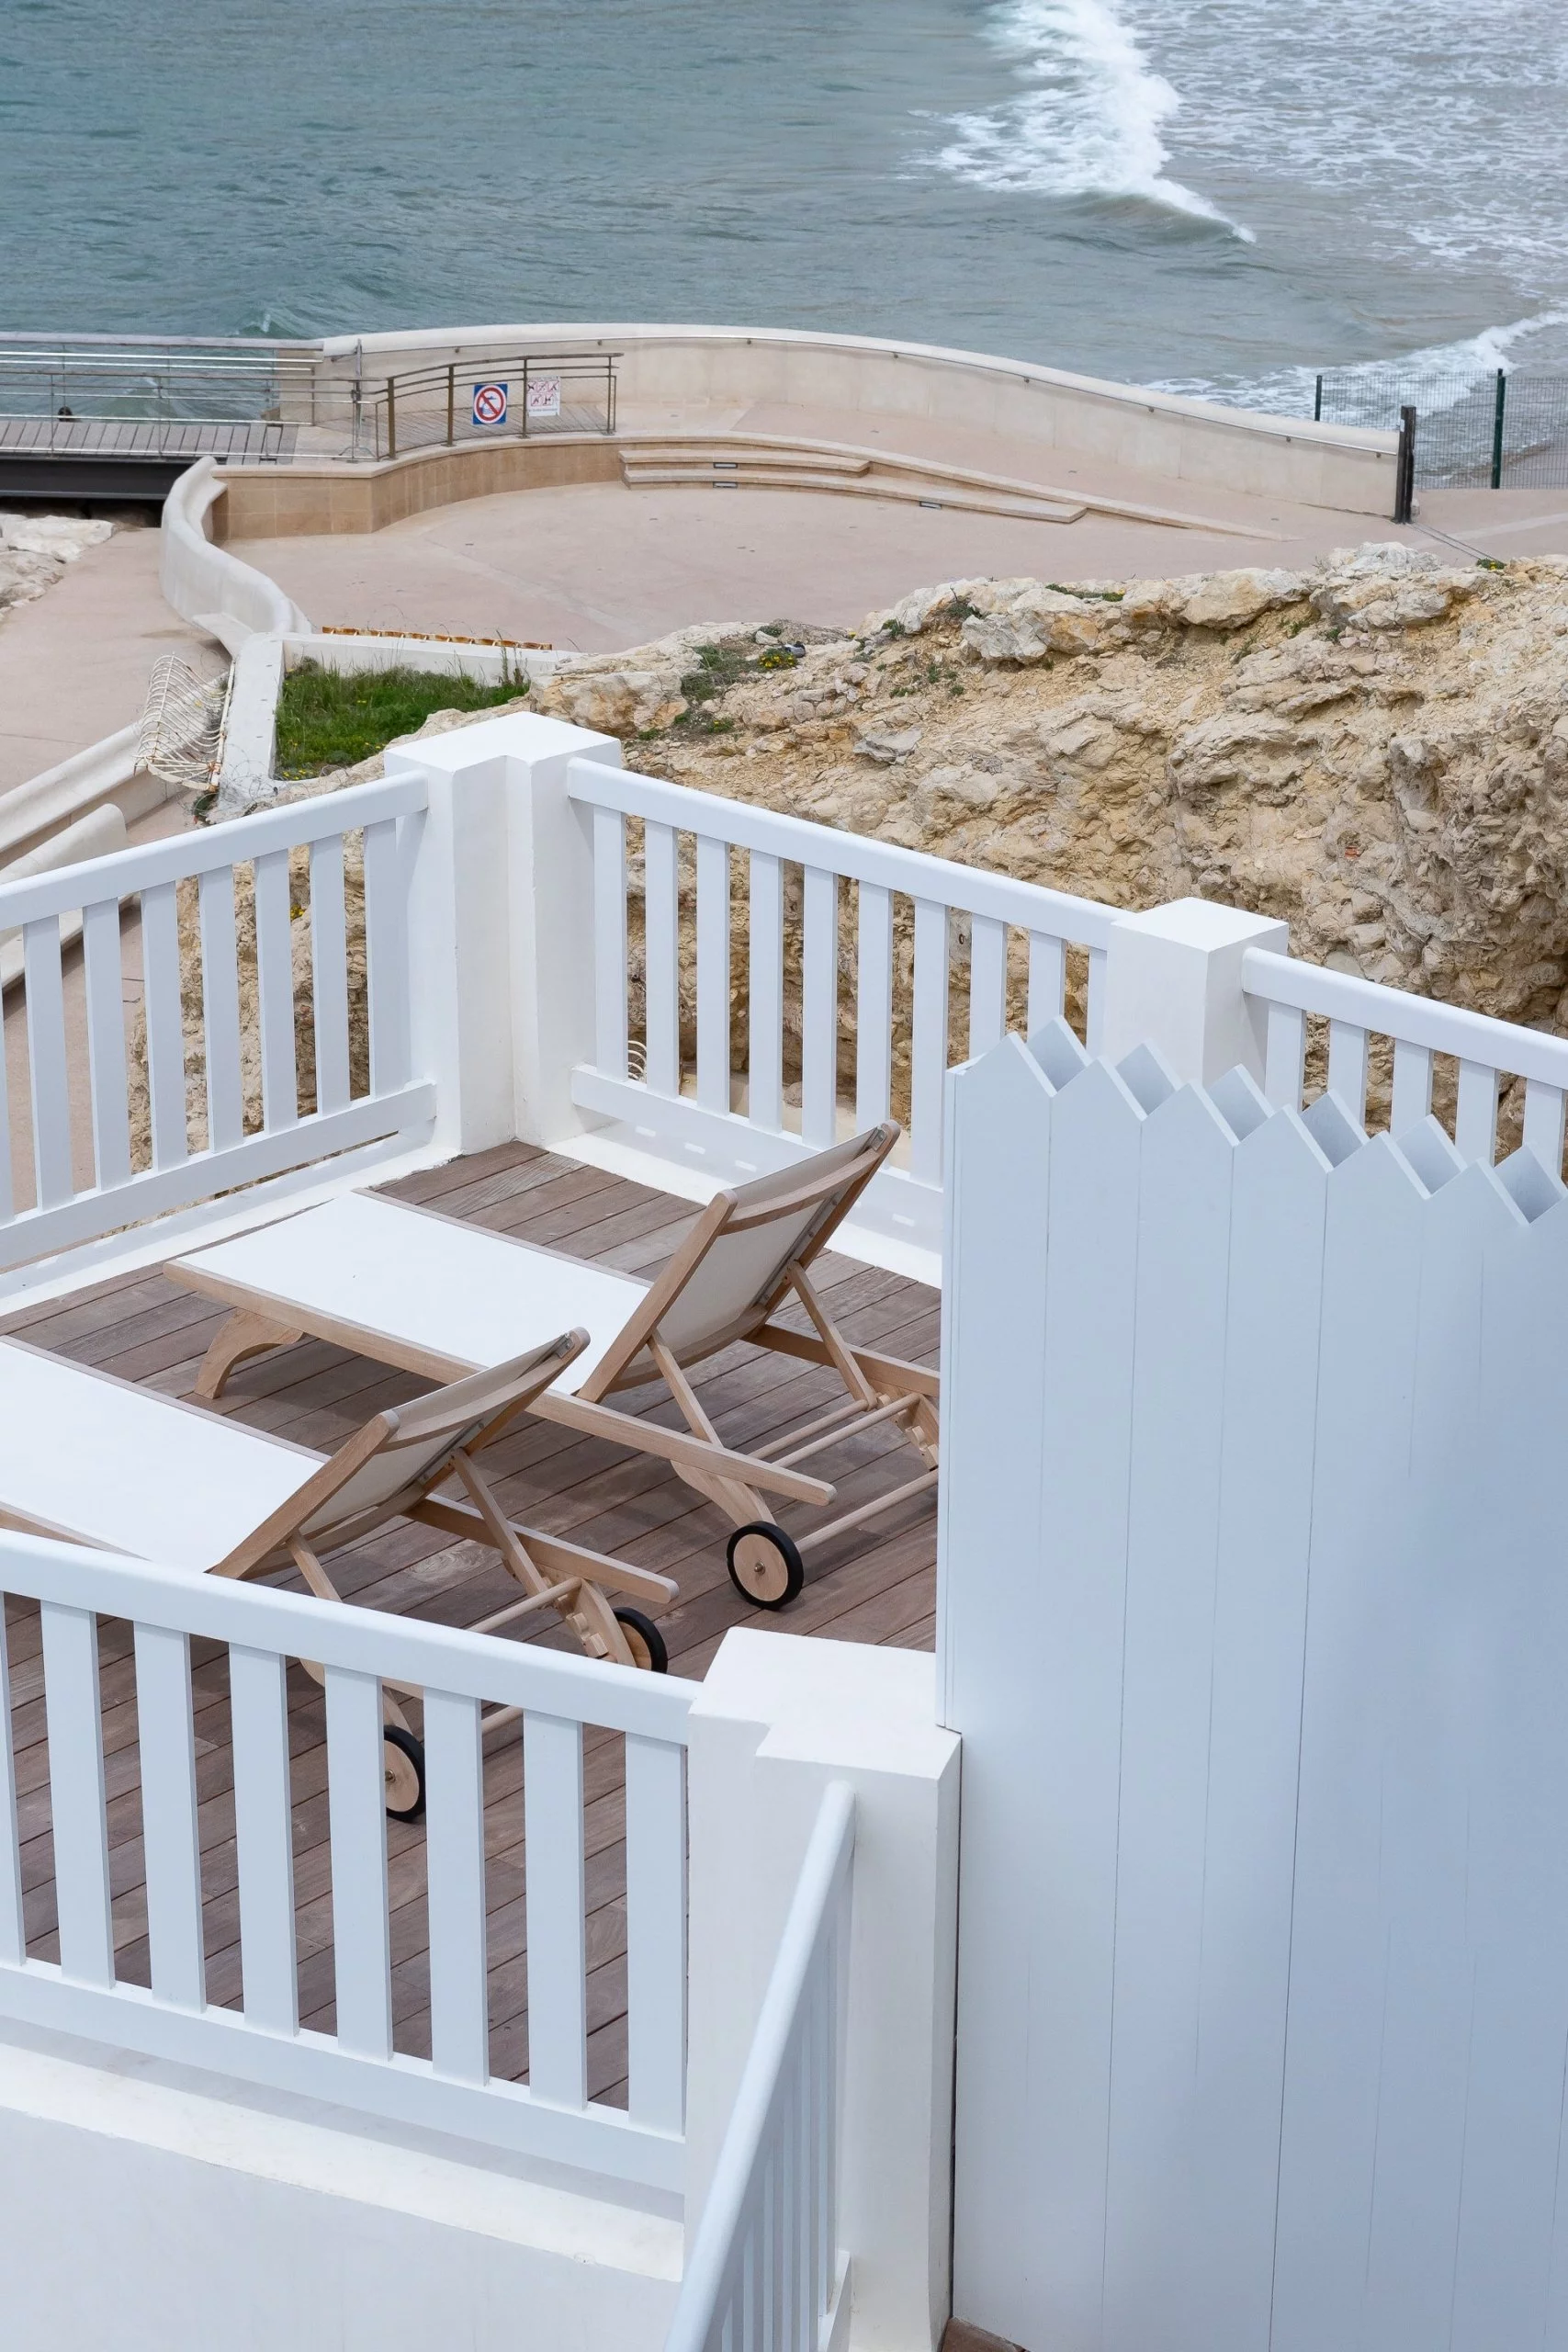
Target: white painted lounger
[(96, 1460), (435, 1296)]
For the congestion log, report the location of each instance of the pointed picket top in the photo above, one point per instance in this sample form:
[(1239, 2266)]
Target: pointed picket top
[(1534, 1189), (1241, 1102)]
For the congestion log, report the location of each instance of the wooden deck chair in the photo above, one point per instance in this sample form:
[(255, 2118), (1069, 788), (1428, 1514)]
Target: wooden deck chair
[(435, 1295), (101, 1461)]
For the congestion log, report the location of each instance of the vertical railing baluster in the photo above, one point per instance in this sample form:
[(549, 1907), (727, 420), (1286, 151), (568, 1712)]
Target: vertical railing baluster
[(553, 1870), (929, 1045), (819, 1009), (764, 1055), (386, 954), (655, 1933), (1047, 979), (1094, 1010), (104, 986), (328, 974), (263, 1840), (873, 1007), (1475, 1120), (171, 1841), (73, 1721), (1544, 1123), (1347, 1067), (45, 1011), (165, 1031), (713, 973), (987, 983), (455, 1863), (661, 958), (1412, 1096), (610, 942), (356, 1810), (274, 993)]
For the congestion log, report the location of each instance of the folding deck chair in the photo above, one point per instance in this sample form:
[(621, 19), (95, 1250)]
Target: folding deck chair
[(435, 1296), (101, 1461)]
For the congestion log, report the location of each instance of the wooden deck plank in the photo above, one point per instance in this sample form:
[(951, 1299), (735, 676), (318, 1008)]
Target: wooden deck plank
[(876, 1584)]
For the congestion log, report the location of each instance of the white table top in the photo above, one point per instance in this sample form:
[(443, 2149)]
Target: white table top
[(459, 1291), (128, 1468)]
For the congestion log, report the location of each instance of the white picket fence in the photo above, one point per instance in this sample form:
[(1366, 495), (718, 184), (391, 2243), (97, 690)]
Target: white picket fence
[(731, 1116), (766, 2273), (1487, 1052), (1251, 1617), (263, 2042), (80, 1149)]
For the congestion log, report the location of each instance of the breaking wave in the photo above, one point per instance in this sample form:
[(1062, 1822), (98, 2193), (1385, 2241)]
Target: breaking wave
[(1089, 119)]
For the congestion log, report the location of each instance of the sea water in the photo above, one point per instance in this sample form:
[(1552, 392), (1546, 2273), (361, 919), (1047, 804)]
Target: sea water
[(1211, 194)]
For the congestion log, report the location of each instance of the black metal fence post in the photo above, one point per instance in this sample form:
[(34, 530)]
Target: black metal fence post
[(392, 416), (1497, 417), (1317, 403), (1405, 469)]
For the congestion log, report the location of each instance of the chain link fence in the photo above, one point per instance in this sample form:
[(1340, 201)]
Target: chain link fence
[(1508, 431)]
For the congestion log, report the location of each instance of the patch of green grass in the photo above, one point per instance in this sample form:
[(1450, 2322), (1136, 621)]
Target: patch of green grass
[(328, 719)]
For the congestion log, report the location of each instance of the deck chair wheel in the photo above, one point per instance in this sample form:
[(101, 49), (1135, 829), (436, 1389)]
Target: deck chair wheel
[(403, 1765), (765, 1565), (644, 1640)]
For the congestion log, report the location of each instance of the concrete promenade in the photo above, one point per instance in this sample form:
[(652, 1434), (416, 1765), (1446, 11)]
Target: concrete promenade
[(596, 567)]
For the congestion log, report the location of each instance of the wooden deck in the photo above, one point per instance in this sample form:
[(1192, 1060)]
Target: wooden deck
[(875, 1584)]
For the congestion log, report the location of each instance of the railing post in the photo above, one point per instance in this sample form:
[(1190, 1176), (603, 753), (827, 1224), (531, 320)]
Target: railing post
[(1499, 415), (502, 928), (392, 416), (778, 1719), (1173, 981), (1405, 469)]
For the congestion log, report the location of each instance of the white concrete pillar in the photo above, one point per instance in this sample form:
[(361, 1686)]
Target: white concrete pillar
[(1173, 981), (776, 1720), (501, 927)]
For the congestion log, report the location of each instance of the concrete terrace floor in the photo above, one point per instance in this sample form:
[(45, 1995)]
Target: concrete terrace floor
[(74, 663), (599, 567)]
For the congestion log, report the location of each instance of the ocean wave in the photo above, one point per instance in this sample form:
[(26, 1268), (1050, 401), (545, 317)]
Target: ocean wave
[(1438, 376), (1090, 121)]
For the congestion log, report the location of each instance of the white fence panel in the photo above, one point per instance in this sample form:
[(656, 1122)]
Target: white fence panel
[(764, 2273), (82, 1185), (1252, 1623), (356, 2066), (809, 892)]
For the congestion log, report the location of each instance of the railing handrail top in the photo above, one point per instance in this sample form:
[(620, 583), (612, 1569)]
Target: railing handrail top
[(362, 1640), (209, 848), (438, 371), (859, 857), (1413, 1020)]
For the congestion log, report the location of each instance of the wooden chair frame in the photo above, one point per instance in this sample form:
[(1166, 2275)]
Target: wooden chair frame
[(814, 1197)]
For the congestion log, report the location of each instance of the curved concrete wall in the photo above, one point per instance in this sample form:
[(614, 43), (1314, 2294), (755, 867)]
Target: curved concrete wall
[(206, 585), (691, 369)]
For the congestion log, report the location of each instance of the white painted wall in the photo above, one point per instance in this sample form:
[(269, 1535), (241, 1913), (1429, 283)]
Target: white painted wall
[(777, 1718), (1253, 1621), (147, 2211)]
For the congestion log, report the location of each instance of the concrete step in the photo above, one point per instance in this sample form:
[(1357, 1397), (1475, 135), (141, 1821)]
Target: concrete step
[(722, 456), (643, 474)]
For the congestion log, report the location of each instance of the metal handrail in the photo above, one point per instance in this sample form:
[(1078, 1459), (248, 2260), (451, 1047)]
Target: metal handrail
[(435, 387)]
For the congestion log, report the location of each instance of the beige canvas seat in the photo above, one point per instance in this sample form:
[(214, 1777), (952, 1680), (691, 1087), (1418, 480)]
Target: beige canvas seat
[(436, 1295), (101, 1461)]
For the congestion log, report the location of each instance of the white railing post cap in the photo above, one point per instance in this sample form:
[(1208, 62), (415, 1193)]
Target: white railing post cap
[(519, 735), (1174, 980)]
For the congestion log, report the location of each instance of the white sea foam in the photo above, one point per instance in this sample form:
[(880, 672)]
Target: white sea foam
[(1089, 119), (1438, 377)]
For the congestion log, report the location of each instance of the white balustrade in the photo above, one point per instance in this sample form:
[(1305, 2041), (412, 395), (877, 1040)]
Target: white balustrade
[(766, 2273), (1357, 1012), (732, 1117), (262, 2041), (83, 1183)]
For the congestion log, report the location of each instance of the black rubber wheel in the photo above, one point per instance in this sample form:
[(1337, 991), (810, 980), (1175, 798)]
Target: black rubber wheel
[(765, 1565), (408, 1757), (645, 1640)]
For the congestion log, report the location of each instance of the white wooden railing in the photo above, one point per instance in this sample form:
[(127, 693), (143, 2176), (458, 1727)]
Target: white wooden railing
[(263, 2042), (1359, 1013), (83, 1183), (735, 1121), (765, 2272)]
